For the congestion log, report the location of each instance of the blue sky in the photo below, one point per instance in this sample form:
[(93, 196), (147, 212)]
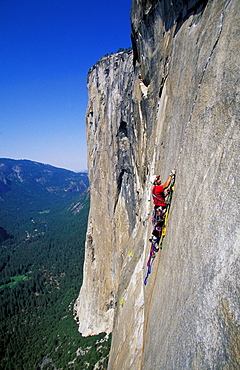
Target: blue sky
[(47, 48)]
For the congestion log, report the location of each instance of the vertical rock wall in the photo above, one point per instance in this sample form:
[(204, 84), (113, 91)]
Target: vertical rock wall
[(178, 107), (192, 316), (111, 171)]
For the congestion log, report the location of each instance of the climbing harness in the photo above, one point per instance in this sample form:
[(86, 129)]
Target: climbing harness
[(159, 222)]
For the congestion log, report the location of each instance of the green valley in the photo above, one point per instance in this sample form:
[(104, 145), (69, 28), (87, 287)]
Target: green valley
[(41, 263)]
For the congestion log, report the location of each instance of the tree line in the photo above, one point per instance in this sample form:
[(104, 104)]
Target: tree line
[(40, 279)]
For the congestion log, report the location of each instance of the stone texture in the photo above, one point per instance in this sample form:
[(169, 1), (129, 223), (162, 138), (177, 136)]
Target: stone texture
[(178, 107), (111, 187)]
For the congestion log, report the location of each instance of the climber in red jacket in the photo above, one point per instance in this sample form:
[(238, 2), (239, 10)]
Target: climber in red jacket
[(158, 190)]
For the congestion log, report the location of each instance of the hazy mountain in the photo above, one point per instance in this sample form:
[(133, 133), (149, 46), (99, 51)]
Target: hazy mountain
[(28, 189), (40, 176)]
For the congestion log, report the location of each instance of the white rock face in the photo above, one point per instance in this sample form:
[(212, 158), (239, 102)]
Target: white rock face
[(178, 107), (110, 166)]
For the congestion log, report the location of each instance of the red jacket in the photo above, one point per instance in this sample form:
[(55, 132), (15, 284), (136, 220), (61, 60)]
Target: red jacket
[(158, 195)]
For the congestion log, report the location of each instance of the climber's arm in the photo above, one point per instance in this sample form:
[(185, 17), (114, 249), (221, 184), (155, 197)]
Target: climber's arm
[(167, 183)]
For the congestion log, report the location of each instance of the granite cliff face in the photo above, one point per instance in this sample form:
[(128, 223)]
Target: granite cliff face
[(174, 102)]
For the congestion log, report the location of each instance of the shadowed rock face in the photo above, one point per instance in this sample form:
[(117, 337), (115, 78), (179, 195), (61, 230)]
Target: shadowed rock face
[(179, 107)]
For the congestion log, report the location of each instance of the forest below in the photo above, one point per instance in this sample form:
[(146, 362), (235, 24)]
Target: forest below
[(42, 238)]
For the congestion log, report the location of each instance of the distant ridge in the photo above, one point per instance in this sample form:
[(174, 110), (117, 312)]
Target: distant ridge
[(43, 176)]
